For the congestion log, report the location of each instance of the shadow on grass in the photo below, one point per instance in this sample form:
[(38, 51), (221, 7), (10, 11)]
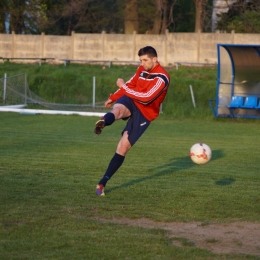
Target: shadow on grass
[(175, 165), (225, 181)]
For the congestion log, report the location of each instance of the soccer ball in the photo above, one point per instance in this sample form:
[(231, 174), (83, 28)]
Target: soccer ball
[(200, 153)]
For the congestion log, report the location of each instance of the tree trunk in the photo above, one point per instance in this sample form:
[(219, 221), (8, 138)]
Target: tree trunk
[(200, 13), (131, 16), (160, 18)]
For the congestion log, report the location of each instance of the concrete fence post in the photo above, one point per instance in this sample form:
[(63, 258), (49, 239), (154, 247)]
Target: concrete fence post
[(134, 45), (233, 36), (72, 45), (42, 45), (103, 43), (13, 44), (166, 47), (198, 45)]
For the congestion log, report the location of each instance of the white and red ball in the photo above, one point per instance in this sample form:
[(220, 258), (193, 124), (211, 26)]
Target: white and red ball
[(200, 153)]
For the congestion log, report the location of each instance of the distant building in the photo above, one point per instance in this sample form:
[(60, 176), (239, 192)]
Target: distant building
[(7, 23), (219, 7)]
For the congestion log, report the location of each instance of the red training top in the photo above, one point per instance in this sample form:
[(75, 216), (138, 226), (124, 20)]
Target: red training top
[(146, 89)]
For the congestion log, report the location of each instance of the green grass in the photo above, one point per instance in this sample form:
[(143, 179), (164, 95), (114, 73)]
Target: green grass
[(50, 165)]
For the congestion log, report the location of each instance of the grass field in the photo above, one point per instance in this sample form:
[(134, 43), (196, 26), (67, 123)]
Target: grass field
[(50, 165)]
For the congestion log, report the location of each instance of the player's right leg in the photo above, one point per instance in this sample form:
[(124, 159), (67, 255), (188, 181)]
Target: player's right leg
[(119, 111)]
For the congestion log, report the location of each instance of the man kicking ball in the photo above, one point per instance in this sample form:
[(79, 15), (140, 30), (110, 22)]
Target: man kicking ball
[(138, 101)]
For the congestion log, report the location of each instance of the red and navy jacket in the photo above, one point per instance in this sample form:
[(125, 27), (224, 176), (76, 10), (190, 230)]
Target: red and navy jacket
[(146, 89)]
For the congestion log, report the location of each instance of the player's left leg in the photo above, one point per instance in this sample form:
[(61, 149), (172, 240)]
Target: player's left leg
[(115, 163)]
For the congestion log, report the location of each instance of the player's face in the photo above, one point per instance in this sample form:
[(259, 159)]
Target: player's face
[(148, 63)]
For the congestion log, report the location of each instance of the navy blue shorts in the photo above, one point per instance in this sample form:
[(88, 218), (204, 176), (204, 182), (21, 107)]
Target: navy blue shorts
[(137, 123)]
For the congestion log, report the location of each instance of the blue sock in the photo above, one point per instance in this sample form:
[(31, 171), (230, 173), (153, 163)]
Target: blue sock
[(113, 166), (109, 118)]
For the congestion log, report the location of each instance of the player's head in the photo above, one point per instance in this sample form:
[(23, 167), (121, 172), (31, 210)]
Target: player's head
[(149, 51), (148, 57)]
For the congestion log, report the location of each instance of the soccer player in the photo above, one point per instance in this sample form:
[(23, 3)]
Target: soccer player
[(138, 100)]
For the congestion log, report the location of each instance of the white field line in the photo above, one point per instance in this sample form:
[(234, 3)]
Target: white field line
[(49, 112)]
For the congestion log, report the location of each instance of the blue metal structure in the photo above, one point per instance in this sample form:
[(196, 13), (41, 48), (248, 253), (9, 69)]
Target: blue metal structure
[(238, 78)]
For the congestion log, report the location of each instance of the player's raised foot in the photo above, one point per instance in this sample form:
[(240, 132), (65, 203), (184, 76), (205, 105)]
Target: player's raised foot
[(100, 190), (100, 124)]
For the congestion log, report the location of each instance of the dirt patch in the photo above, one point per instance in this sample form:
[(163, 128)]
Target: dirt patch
[(237, 238)]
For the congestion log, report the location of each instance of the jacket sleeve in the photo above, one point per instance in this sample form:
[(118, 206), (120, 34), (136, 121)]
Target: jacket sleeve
[(118, 94), (121, 92), (151, 90)]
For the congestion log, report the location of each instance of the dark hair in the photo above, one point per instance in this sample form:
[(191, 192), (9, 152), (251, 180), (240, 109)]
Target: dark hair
[(148, 50)]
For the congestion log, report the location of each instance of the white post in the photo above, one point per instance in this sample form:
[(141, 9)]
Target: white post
[(94, 92), (25, 89), (161, 109), (192, 96), (4, 94)]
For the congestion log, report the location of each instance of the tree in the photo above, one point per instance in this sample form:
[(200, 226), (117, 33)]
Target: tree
[(181, 16), (242, 16), (200, 14), (22, 15), (61, 17), (83, 16), (159, 23), (155, 16), (16, 9), (131, 16), (3, 9)]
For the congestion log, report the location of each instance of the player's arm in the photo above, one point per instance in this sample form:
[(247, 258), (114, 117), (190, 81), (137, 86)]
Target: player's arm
[(153, 88), (120, 92), (109, 103)]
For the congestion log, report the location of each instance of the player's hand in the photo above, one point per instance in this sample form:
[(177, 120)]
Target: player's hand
[(108, 103), (120, 82)]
